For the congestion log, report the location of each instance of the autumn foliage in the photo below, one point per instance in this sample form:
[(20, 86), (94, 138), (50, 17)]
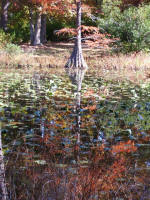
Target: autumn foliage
[(124, 147), (90, 36)]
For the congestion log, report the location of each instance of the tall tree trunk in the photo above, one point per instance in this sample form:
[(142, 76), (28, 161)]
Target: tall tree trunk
[(37, 28), (4, 14), (43, 28), (37, 32), (76, 59), (31, 27), (3, 189)]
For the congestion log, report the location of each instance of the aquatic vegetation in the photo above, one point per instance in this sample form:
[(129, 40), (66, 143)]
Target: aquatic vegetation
[(52, 147)]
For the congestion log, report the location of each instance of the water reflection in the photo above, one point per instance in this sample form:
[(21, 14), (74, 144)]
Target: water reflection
[(58, 147), (76, 75), (3, 189)]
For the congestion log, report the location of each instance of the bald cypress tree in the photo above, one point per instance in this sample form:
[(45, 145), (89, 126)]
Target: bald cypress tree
[(76, 59)]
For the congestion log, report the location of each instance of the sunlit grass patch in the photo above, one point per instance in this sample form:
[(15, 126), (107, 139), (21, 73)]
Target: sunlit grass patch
[(133, 67)]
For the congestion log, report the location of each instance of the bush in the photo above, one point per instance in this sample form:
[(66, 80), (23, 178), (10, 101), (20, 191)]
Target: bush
[(56, 23), (19, 27), (12, 49), (6, 44), (132, 26), (5, 38)]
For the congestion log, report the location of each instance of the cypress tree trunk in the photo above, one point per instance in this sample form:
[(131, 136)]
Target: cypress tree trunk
[(76, 60), (3, 189), (37, 32), (43, 28), (4, 14)]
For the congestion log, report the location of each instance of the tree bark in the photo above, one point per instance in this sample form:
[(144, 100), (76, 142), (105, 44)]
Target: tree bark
[(37, 27), (37, 32), (76, 59), (4, 14), (43, 28)]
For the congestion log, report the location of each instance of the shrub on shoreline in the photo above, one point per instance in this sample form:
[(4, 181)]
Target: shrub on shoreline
[(132, 26)]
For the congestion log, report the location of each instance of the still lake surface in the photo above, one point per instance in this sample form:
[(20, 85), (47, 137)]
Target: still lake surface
[(73, 137)]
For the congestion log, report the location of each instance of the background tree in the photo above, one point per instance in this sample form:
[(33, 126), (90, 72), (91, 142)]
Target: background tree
[(36, 31), (4, 14), (38, 18)]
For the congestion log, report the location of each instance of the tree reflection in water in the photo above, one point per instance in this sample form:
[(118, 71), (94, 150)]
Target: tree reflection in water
[(3, 189), (76, 75)]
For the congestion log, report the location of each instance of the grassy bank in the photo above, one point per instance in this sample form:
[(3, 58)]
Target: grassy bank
[(134, 67)]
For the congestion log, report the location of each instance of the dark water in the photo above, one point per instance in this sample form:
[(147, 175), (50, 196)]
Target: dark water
[(63, 143)]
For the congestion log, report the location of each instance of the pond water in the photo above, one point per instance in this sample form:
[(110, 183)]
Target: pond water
[(61, 141)]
